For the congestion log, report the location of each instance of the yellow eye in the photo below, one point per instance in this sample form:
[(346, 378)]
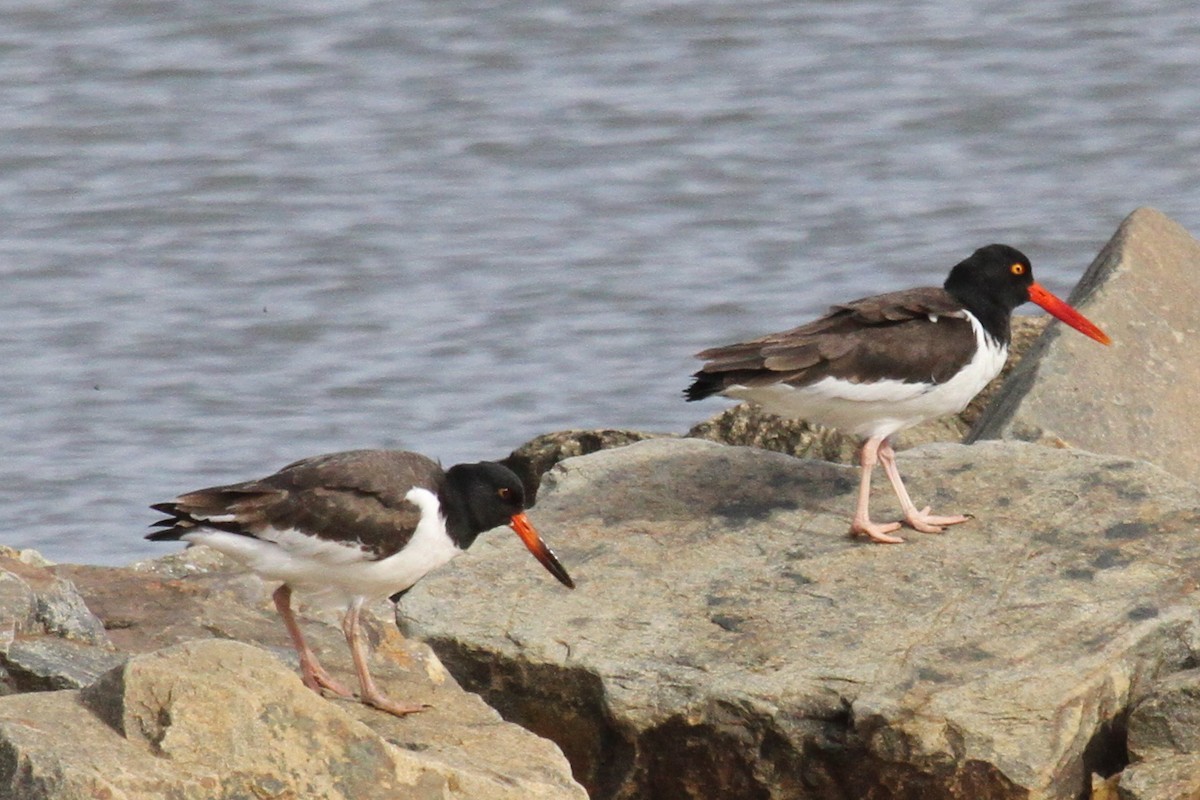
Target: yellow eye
[(505, 493), (1017, 269)]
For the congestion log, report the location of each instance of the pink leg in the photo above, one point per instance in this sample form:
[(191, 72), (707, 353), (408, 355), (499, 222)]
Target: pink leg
[(311, 672), (371, 695), (921, 519), (862, 520)]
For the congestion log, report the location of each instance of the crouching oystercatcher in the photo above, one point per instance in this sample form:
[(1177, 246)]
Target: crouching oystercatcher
[(363, 525), (875, 366)]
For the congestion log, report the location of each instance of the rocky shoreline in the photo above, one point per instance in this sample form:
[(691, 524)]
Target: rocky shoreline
[(174, 678), (727, 639)]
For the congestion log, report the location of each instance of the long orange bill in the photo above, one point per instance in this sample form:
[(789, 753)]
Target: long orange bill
[(1067, 314), (520, 523)]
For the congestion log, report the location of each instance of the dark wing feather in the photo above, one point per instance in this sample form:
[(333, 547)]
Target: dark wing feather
[(881, 337), (324, 496)]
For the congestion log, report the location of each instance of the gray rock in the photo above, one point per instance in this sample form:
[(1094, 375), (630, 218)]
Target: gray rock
[(34, 600), (1137, 397), (1168, 720), (727, 638), (63, 613), (1175, 777), (18, 607), (1164, 742), (748, 425), (49, 639), (533, 459), (48, 663), (26, 555)]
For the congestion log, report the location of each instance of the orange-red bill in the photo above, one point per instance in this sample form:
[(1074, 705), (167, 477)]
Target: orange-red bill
[(1067, 314), (520, 523)]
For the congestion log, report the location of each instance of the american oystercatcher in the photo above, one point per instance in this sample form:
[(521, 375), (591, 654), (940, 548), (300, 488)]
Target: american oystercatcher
[(875, 366), (363, 524)]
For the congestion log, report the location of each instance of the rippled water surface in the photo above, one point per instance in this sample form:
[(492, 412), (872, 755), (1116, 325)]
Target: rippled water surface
[(237, 233)]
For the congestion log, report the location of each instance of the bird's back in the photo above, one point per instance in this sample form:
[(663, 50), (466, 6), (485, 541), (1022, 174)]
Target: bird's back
[(323, 497), (909, 336)]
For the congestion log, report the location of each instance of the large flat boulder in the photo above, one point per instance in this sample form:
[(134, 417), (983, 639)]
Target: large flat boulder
[(728, 639), (1137, 397)]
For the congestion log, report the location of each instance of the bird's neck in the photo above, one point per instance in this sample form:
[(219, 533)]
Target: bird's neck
[(460, 526), (994, 317)]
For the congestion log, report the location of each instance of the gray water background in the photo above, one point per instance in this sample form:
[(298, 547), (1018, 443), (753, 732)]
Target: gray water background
[(235, 232)]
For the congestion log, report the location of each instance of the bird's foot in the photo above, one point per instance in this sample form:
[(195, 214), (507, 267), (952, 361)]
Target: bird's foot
[(876, 531), (925, 522), (316, 678), (384, 703)]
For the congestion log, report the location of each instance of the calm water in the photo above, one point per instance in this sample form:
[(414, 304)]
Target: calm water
[(238, 233)]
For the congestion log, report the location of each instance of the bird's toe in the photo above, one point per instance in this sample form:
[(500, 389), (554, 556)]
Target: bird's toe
[(926, 522), (876, 532)]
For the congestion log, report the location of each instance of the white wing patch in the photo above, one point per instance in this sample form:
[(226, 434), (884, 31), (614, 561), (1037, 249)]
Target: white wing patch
[(215, 517)]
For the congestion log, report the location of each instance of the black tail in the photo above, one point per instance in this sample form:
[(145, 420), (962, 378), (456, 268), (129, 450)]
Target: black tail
[(173, 526), (705, 384)]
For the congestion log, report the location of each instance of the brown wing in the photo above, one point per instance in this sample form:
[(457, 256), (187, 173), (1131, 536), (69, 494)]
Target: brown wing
[(324, 496), (889, 336)]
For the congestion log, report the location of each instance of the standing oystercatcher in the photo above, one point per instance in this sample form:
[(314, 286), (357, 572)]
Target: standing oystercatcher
[(878, 365), (363, 524)]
